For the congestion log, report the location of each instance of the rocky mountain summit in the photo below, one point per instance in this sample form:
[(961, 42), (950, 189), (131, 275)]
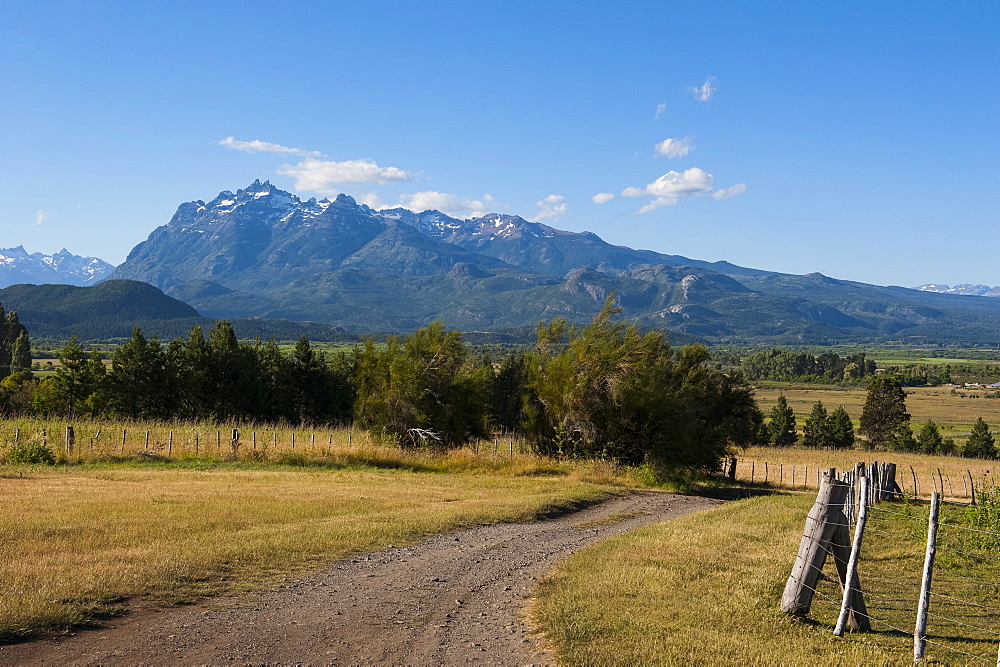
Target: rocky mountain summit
[(263, 252), (18, 266)]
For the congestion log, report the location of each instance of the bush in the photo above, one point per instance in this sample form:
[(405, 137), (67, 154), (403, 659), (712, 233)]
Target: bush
[(30, 452)]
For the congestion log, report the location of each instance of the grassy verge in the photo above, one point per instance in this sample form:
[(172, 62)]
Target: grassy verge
[(705, 588), (82, 541)]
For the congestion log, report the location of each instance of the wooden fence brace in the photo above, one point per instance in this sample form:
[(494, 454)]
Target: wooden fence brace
[(920, 629), (972, 487), (821, 523), (852, 586)]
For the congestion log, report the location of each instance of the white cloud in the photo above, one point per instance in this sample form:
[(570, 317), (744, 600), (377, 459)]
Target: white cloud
[(553, 206), (674, 148), (40, 217), (447, 203), (257, 146), (705, 91), (371, 200), (602, 197), (673, 186), (731, 191), (322, 176), (660, 108)]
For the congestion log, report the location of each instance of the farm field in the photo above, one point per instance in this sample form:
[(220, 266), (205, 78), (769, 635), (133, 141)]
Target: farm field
[(955, 412)]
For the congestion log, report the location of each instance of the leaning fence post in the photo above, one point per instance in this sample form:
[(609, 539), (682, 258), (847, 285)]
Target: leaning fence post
[(851, 583), (972, 488), (821, 523), (920, 629)]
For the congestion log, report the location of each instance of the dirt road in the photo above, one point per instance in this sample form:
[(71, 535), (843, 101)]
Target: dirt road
[(453, 599)]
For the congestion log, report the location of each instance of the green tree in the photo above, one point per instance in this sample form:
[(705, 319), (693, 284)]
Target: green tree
[(419, 390), (884, 412), (903, 440), (980, 444), (15, 351), (139, 384), (929, 438), (781, 427), (840, 429), (816, 432), (79, 378), (608, 390)]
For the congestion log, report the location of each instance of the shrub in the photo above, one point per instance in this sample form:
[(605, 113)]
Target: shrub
[(30, 452)]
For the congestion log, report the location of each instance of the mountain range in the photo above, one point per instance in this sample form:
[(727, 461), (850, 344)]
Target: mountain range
[(18, 266), (964, 289), (263, 252)]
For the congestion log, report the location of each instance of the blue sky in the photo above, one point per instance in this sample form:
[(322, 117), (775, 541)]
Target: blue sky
[(860, 140)]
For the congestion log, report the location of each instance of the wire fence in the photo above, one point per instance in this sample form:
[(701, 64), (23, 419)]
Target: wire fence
[(951, 580)]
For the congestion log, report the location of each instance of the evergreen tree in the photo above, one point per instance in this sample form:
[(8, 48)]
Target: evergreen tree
[(815, 433), (15, 351), (903, 441), (781, 428), (840, 429), (929, 438), (947, 447), (139, 385), (980, 444), (79, 378), (508, 393), (884, 412)]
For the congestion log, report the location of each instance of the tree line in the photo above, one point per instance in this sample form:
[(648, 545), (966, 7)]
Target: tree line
[(601, 390), (884, 423), (786, 366)]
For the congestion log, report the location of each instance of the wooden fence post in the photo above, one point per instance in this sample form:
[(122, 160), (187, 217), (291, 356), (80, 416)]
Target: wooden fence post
[(916, 487), (170, 444), (852, 585), (70, 440), (920, 629), (732, 468), (972, 487), (821, 523)]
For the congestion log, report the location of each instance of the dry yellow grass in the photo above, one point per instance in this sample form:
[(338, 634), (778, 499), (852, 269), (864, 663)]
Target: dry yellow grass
[(704, 589), (799, 467), (79, 541), (954, 412)]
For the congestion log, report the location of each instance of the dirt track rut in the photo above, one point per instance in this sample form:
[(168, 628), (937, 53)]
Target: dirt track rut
[(452, 599)]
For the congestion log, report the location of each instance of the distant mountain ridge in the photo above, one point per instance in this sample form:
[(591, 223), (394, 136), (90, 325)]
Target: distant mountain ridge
[(18, 266), (964, 289), (263, 252)]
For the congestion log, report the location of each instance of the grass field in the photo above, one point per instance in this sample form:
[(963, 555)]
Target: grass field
[(953, 412), (82, 541), (705, 589)]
